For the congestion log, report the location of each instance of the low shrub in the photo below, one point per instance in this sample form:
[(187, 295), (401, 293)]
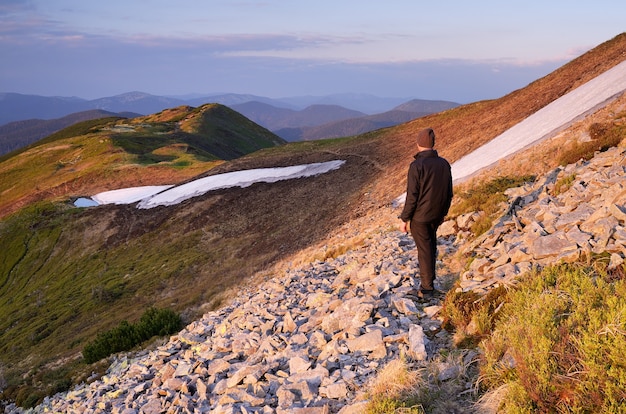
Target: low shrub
[(404, 388), (28, 397), (559, 346), (603, 137), (126, 336), (396, 387), (472, 316), (563, 184), (487, 198)]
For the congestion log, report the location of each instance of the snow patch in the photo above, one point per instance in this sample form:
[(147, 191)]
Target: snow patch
[(167, 195), (554, 117), (128, 195), (236, 179)]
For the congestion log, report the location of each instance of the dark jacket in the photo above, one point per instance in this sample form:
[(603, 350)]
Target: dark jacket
[(429, 188)]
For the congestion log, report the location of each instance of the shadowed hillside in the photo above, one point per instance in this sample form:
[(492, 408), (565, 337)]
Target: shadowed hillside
[(69, 273)]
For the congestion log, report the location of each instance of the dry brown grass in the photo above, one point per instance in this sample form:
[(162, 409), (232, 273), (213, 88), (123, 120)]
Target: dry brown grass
[(396, 380)]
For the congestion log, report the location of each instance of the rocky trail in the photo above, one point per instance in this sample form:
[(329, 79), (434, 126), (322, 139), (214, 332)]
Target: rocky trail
[(310, 340), (304, 342)]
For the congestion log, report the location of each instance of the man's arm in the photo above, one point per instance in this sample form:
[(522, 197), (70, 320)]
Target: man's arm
[(410, 202)]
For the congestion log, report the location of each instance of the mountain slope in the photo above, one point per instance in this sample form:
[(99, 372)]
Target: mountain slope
[(18, 134), (349, 127), (187, 257), (274, 118), (100, 155)]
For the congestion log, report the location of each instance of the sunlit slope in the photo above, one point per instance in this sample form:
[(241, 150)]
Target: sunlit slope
[(94, 156), (464, 129)]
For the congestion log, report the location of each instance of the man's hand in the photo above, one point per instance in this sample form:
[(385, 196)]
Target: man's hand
[(405, 226)]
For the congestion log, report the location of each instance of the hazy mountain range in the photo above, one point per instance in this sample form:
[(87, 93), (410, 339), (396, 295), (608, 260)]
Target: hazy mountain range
[(30, 117), (18, 107)]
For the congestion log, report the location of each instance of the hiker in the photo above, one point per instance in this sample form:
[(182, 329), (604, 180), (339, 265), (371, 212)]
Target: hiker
[(428, 198)]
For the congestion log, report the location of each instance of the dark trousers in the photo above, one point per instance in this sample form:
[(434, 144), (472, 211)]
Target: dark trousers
[(425, 236)]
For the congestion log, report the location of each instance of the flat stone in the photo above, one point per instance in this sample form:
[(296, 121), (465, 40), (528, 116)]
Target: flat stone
[(335, 391), (552, 245), (369, 342), (298, 364), (152, 407), (405, 306), (417, 343)]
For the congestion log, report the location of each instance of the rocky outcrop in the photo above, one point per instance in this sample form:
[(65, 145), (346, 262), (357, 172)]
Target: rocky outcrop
[(571, 213)]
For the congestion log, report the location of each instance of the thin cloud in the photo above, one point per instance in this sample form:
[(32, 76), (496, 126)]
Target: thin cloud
[(15, 6)]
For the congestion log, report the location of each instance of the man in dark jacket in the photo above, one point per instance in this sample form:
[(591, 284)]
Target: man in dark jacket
[(428, 198)]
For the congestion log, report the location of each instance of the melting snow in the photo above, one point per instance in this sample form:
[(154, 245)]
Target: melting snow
[(233, 179), (166, 195), (128, 195), (552, 118)]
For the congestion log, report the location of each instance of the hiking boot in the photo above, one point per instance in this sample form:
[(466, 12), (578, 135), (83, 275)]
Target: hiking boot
[(428, 294), (413, 292), (425, 294)]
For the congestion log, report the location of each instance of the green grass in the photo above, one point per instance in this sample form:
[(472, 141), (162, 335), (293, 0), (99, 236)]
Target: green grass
[(60, 288), (560, 345), (486, 198), (225, 133)]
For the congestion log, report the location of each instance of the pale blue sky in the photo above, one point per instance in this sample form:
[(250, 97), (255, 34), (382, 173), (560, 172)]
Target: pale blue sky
[(454, 50)]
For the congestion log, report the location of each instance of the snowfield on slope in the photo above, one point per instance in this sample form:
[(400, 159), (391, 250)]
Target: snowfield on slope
[(547, 121), (167, 195)]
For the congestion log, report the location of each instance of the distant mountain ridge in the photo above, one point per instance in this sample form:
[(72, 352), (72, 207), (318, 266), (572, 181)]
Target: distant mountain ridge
[(348, 127), (274, 118), (18, 107), (406, 112), (315, 121)]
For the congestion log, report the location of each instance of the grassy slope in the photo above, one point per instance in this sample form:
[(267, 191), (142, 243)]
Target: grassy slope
[(69, 273), (111, 153)]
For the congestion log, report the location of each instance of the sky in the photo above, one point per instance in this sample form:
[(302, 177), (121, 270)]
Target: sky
[(455, 50)]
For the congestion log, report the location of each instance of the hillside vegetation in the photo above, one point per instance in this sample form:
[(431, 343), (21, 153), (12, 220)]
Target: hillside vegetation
[(19, 134), (70, 273), (111, 153)]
